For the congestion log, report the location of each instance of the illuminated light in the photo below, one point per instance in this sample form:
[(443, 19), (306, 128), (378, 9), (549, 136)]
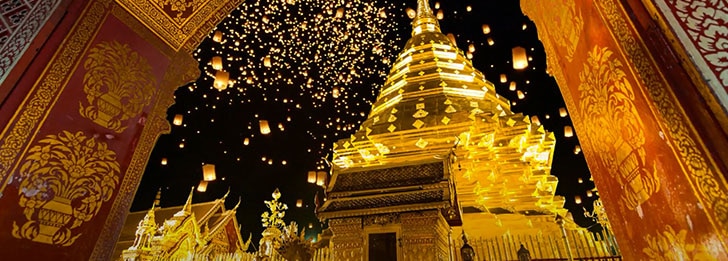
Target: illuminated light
[(299, 203), (217, 37), (589, 193), (512, 86), (468, 8), (580, 180), (446, 55), (469, 55), (246, 141), (524, 26), (568, 131), (547, 116), (321, 178), (264, 127), (521, 95), (280, 126), (486, 29), (335, 92), (503, 78), (202, 187), (437, 5), (535, 120), (577, 149), (577, 199), (464, 92), (311, 177), (452, 38), (181, 145), (216, 63), (270, 162), (222, 79), (208, 172), (562, 112), (310, 225), (177, 121), (382, 14), (340, 12), (519, 58), (265, 19), (267, 62), (471, 48), (490, 41), (440, 15), (164, 161), (411, 13)]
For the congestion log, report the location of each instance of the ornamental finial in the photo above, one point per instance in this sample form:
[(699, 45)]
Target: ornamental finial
[(425, 19)]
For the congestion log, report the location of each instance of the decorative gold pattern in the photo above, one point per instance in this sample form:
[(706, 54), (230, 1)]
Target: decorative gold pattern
[(710, 187), (607, 103), (118, 84), (671, 245), (182, 24), (65, 179)]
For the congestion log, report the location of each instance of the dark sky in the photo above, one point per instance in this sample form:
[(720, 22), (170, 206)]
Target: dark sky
[(325, 71)]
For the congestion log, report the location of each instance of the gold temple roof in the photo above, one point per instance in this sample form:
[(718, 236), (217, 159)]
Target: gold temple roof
[(435, 104)]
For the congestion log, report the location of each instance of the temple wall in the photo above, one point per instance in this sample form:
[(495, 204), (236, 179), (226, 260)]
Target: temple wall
[(80, 119), (663, 188)]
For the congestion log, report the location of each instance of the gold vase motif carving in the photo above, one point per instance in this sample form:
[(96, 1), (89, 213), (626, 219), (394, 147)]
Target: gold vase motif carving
[(608, 112), (64, 180), (118, 84), (675, 245)]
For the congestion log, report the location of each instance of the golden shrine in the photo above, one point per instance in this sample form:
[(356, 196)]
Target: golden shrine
[(439, 148), (202, 231)]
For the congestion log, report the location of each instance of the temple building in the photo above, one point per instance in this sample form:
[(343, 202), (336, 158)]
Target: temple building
[(440, 148), (201, 231)]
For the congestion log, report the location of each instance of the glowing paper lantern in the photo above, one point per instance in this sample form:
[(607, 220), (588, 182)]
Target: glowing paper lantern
[(222, 79), (335, 92), (490, 41), (521, 95), (568, 131), (577, 149), (580, 180), (202, 187), (321, 178), (437, 5), (471, 48), (577, 199), (164, 161), (266, 62), (503, 78), (535, 120), (246, 141), (411, 13), (312, 177), (468, 8), (217, 37), (440, 15), (216, 63), (208, 172), (562, 112), (264, 127), (520, 61), (181, 145), (280, 126), (486, 29), (589, 193), (299, 203), (340, 12), (177, 121), (512, 86)]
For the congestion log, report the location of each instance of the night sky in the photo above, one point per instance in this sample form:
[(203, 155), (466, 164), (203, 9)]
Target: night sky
[(312, 68)]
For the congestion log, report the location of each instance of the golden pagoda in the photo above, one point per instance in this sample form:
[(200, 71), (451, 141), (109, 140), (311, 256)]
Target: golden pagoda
[(203, 231), (440, 148)]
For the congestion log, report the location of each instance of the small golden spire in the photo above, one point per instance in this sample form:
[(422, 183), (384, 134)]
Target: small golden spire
[(425, 19), (188, 205), (157, 198)]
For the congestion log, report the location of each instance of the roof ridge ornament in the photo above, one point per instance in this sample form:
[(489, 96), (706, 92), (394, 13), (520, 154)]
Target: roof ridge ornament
[(425, 20)]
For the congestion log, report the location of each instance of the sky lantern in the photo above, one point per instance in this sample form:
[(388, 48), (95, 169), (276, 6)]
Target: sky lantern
[(491, 42), (208, 172), (521, 95), (177, 121), (512, 86), (217, 37), (164, 161), (216, 63), (577, 149), (437, 5), (486, 29), (577, 199), (471, 48), (411, 13), (299, 203), (222, 79), (535, 120), (264, 127), (202, 187), (562, 112), (440, 15), (267, 62), (568, 131), (589, 193), (246, 141), (335, 92), (340, 12), (312, 177), (321, 178), (503, 78), (520, 60)]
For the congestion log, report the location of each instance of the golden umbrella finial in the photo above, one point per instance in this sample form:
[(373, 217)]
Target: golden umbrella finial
[(425, 19)]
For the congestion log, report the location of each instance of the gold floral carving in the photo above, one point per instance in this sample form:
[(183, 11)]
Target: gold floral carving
[(568, 22), (118, 84), (46, 90), (709, 186), (606, 104), (673, 245), (182, 24), (64, 180)]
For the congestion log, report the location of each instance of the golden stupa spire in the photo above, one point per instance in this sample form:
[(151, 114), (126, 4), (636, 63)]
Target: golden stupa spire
[(187, 208), (425, 19)]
